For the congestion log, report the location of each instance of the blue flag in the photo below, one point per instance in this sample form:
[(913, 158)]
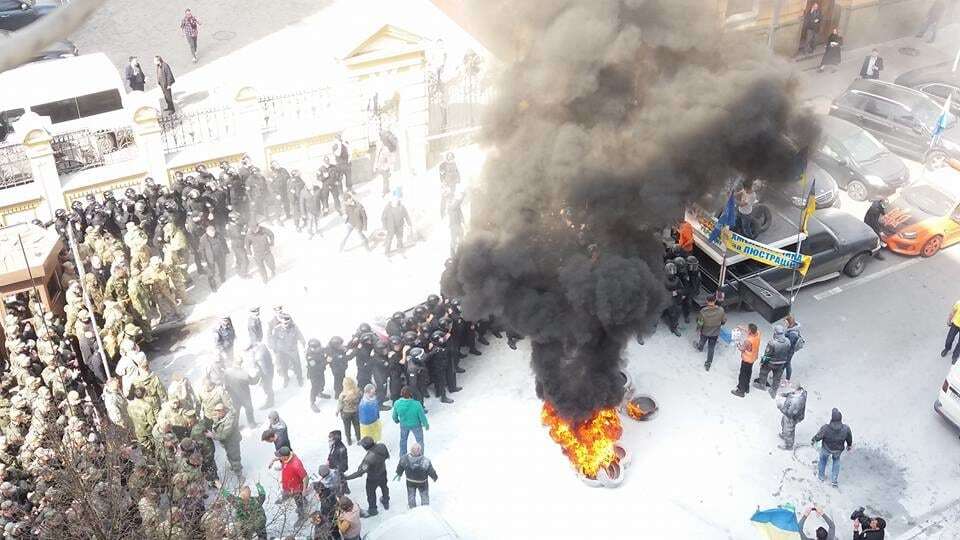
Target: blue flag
[(727, 219)]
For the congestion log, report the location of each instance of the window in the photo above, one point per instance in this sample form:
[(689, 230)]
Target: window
[(74, 108), (852, 100), (741, 11), (9, 5), (830, 147), (817, 243), (939, 90), (883, 108)]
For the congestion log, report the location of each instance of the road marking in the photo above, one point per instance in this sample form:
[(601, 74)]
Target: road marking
[(863, 281)]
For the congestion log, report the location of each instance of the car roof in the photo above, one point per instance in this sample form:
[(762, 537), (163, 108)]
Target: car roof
[(888, 90), (42, 82), (838, 127), (846, 227), (941, 72)]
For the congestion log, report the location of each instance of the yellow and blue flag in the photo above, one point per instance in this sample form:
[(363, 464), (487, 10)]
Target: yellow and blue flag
[(810, 207), (777, 524), (727, 219)]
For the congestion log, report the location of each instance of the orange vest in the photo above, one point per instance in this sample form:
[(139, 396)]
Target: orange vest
[(750, 356), (685, 237)]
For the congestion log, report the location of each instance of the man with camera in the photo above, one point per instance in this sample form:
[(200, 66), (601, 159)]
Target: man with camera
[(830, 533), (867, 528)]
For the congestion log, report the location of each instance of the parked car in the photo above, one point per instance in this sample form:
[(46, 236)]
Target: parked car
[(15, 14), (795, 192), (948, 401), (937, 81), (857, 162), (57, 49), (902, 119), (924, 217)]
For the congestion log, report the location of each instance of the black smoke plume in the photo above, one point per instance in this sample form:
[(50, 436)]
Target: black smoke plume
[(620, 113)]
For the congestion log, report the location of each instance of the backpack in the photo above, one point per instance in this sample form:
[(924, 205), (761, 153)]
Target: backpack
[(799, 343)]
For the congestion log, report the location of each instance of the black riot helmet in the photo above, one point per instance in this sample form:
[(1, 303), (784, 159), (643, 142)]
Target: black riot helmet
[(336, 342), (108, 195), (409, 338), (60, 212), (380, 346), (670, 269), (395, 341), (693, 264), (368, 338), (130, 193), (149, 181), (433, 301), (420, 313), (314, 344), (409, 325), (397, 316), (76, 205), (364, 328), (438, 337), (415, 354), (680, 263)]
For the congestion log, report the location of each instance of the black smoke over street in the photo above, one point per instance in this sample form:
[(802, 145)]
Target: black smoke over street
[(623, 112)]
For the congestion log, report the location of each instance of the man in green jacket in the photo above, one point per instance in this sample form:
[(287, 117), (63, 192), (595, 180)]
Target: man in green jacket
[(409, 413), (251, 518)]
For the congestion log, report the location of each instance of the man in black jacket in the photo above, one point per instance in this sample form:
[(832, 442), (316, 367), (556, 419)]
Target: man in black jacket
[(872, 66), (236, 233), (836, 437), (394, 218), (316, 371), (356, 220), (224, 338), (259, 242), (213, 249), (259, 354), (874, 218), (337, 458), (374, 465), (165, 81), (418, 469)]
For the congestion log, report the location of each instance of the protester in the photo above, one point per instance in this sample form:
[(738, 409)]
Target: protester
[(375, 468), (793, 405), (347, 404), (821, 534), (251, 519), (793, 334), (953, 328), (368, 413), (418, 469), (409, 413), (710, 321), (811, 28), (293, 481), (836, 437), (873, 218), (774, 361), (349, 522), (874, 530), (749, 350), (934, 14), (165, 81)]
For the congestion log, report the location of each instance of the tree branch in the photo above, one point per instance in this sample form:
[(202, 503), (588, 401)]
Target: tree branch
[(24, 44)]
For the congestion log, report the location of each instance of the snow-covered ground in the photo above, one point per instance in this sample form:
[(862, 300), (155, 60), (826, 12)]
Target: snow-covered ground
[(700, 467)]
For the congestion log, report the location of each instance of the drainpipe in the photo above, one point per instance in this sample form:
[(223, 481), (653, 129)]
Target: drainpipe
[(774, 23)]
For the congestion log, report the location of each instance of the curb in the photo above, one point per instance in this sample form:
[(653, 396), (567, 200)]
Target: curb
[(933, 524)]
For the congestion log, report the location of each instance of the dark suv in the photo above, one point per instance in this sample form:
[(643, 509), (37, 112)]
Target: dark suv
[(15, 14), (902, 119)]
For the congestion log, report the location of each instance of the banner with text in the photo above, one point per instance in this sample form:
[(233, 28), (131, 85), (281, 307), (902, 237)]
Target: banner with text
[(766, 254)]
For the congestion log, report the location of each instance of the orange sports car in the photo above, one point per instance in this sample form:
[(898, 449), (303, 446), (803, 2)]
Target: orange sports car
[(924, 217)]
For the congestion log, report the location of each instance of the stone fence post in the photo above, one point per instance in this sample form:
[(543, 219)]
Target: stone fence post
[(249, 116), (149, 138), (36, 144)]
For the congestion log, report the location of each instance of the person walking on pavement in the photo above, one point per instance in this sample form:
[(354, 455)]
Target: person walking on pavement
[(792, 404), (394, 217), (872, 65), (934, 14), (190, 27), (293, 480), (873, 218), (260, 244), (374, 466), (356, 217), (337, 457), (165, 80), (831, 55), (711, 319), (953, 328), (811, 28), (213, 250), (749, 349), (418, 469), (409, 413), (134, 76), (830, 533), (836, 437), (775, 358)]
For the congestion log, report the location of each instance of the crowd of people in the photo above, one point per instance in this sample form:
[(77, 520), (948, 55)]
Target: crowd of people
[(85, 409)]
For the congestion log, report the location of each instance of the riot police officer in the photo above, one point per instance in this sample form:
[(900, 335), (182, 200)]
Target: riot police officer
[(674, 291)]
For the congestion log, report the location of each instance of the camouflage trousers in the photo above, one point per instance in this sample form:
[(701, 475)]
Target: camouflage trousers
[(788, 428)]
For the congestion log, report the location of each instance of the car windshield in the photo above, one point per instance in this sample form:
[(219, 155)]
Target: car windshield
[(863, 147), (929, 199)]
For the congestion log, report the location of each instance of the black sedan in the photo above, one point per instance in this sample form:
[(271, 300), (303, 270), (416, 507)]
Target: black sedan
[(795, 193), (15, 14), (57, 49), (857, 161), (937, 81)]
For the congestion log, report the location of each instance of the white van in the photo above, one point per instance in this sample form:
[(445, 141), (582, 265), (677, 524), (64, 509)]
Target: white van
[(83, 92), (948, 403)]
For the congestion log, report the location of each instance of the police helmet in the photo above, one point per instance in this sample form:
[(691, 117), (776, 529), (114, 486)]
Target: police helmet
[(380, 346), (60, 212), (364, 328), (420, 312), (409, 338), (670, 268), (130, 193), (108, 195), (76, 205), (433, 300), (395, 341), (415, 353), (438, 337), (314, 344), (679, 262), (368, 338), (397, 316), (336, 342), (234, 215), (693, 263)]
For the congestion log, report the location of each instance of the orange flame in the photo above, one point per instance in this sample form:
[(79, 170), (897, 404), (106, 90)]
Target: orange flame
[(635, 411), (589, 445)]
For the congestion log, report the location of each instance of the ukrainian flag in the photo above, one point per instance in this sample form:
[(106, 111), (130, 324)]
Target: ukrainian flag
[(777, 524), (810, 207)]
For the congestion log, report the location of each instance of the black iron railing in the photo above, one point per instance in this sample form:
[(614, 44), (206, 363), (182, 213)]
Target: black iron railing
[(85, 149), (181, 130), (14, 167)]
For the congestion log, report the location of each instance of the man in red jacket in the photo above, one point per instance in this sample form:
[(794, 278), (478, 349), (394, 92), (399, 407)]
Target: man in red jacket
[(293, 480)]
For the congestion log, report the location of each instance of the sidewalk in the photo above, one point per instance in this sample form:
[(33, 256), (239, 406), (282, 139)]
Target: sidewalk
[(819, 89)]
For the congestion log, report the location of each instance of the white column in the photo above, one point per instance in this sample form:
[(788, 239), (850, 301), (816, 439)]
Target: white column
[(249, 115), (414, 119), (36, 143), (149, 138)]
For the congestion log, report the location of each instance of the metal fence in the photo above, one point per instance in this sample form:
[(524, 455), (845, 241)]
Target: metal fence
[(14, 167), (295, 108), (456, 104), (85, 149), (181, 130)]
